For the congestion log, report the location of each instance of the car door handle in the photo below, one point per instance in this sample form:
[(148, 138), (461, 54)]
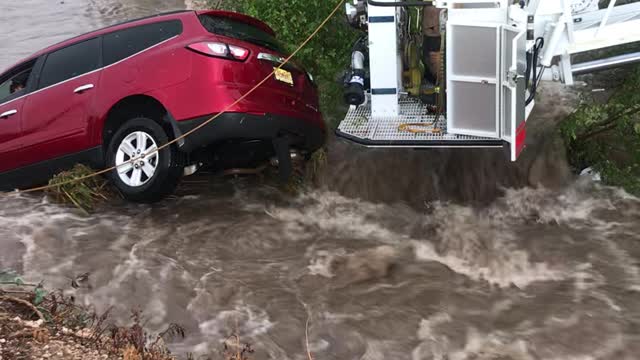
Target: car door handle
[(6, 114), (83, 88)]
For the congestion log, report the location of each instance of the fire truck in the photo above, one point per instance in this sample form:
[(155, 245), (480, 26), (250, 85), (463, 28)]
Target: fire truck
[(465, 73)]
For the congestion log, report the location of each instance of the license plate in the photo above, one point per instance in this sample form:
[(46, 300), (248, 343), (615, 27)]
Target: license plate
[(284, 76)]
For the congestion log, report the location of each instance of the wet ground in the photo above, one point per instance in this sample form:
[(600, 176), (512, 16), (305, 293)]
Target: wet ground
[(400, 255)]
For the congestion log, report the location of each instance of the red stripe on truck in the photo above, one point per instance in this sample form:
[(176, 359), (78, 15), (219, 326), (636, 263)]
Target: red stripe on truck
[(521, 136)]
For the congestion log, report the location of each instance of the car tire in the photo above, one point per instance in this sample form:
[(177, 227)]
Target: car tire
[(155, 176)]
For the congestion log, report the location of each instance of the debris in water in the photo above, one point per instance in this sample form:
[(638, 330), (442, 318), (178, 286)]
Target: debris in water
[(85, 194), (364, 265), (80, 279), (591, 173), (234, 349)]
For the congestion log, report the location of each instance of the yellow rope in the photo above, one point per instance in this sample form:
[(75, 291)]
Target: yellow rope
[(304, 43), (410, 127)]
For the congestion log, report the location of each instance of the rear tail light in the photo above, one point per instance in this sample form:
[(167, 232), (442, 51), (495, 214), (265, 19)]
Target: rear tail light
[(220, 50), (238, 52)]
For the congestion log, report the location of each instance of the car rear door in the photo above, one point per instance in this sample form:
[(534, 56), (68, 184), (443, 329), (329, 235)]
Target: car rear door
[(57, 116), (12, 100)]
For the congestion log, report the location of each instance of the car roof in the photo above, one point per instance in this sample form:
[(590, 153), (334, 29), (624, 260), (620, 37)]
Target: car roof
[(146, 20), (108, 29)]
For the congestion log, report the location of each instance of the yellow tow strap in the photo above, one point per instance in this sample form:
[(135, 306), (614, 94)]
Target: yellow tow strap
[(426, 128)]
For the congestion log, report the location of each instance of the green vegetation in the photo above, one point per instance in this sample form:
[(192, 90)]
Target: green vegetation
[(84, 194), (34, 320), (39, 323), (607, 136), (326, 56), (315, 165)]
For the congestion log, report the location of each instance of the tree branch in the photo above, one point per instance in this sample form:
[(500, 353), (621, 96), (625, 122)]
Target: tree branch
[(594, 133), (608, 124), (23, 302)]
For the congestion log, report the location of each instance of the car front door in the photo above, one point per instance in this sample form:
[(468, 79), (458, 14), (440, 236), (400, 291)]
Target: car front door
[(57, 116), (15, 85)]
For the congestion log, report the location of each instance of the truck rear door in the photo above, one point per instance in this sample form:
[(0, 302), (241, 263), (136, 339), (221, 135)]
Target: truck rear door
[(514, 66), (473, 91)]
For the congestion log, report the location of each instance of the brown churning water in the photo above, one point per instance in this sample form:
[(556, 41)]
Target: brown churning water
[(398, 255)]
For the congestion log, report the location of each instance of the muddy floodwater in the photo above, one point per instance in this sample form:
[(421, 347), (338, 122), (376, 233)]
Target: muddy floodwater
[(399, 255)]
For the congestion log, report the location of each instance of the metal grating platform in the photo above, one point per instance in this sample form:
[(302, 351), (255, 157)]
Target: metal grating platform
[(429, 130)]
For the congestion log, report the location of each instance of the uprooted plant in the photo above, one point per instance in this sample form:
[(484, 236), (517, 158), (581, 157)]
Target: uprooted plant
[(132, 341), (234, 349), (86, 193)]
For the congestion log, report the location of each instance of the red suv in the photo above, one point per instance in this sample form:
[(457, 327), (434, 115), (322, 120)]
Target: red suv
[(108, 96)]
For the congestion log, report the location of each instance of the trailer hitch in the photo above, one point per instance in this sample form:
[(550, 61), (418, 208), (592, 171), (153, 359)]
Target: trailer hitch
[(281, 145)]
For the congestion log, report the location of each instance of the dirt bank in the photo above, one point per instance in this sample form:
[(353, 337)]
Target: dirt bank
[(39, 324)]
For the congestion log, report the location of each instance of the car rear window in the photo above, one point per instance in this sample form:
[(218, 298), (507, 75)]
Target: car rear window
[(236, 29), (124, 43)]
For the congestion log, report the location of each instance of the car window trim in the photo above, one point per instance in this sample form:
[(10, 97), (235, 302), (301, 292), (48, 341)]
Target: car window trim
[(91, 72), (66, 81), (16, 99), (17, 66)]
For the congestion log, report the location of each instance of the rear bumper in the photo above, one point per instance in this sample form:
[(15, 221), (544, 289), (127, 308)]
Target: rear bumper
[(240, 126)]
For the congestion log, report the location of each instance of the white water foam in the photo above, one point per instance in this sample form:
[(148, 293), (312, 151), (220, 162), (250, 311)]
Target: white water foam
[(492, 346), (359, 266), (338, 215), (243, 320), (478, 346), (482, 247), (574, 205), (321, 263), (433, 345), (195, 4)]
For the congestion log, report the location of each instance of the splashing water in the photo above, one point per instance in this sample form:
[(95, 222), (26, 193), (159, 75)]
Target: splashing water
[(398, 255)]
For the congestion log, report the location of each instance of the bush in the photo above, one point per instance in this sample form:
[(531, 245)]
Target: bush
[(607, 136), (84, 194)]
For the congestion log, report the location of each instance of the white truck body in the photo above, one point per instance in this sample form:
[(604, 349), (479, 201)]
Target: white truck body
[(488, 44)]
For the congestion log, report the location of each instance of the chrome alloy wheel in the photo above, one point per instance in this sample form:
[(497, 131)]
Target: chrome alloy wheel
[(142, 147)]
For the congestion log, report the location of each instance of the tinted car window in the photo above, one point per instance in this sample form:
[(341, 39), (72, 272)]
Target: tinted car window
[(239, 30), (124, 43), (14, 82), (70, 62)]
